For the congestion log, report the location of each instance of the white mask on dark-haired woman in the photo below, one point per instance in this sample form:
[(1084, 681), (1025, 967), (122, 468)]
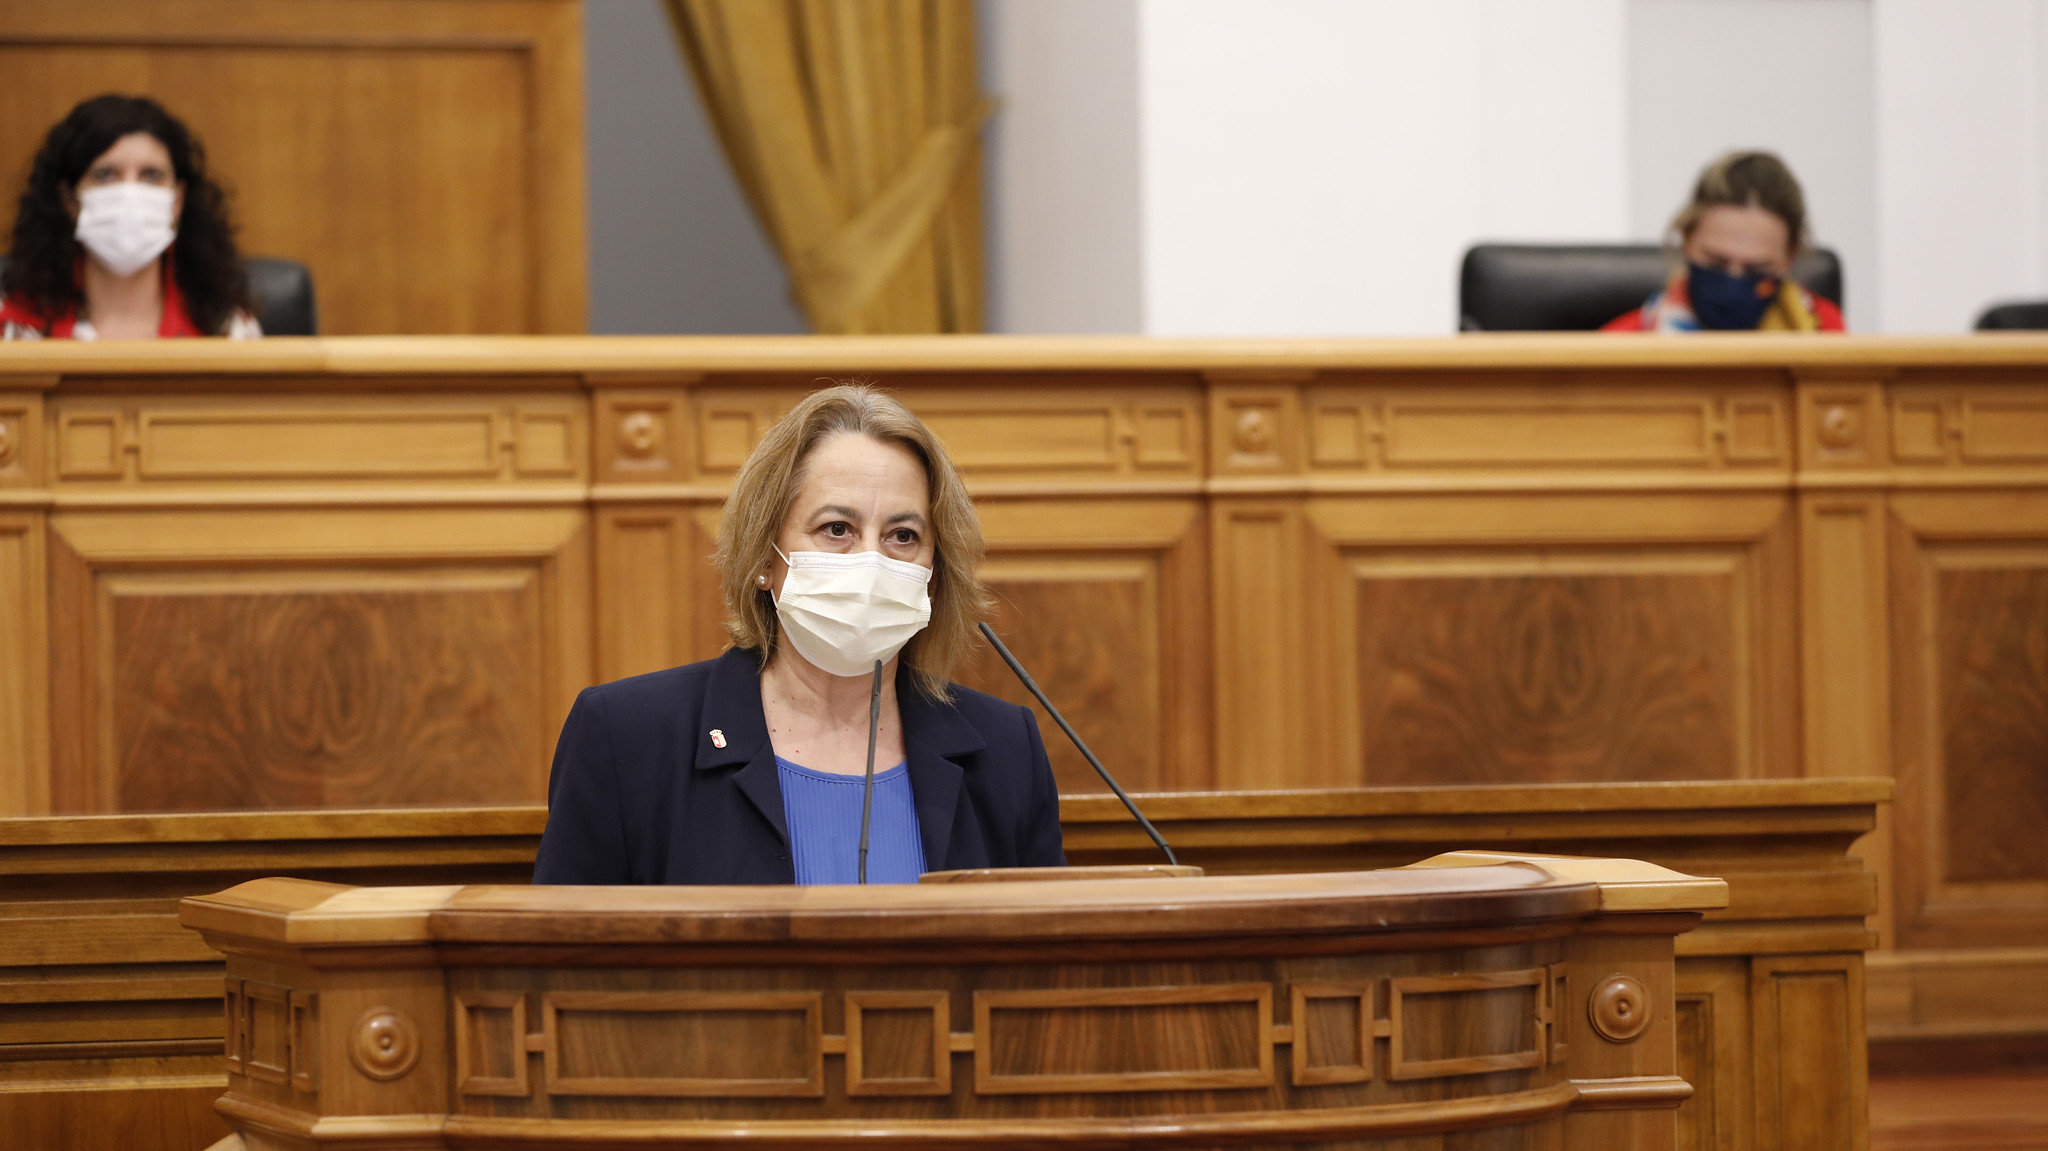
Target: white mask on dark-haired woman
[(127, 225), (843, 611)]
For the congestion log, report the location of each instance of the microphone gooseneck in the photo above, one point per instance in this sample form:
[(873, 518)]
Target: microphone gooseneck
[(1031, 685), (867, 787)]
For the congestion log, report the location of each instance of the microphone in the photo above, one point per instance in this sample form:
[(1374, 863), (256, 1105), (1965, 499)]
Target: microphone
[(867, 788), (1031, 685)]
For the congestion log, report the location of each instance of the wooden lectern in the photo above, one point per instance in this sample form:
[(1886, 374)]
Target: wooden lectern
[(1528, 997)]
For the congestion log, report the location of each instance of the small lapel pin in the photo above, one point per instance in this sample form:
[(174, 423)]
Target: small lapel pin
[(717, 738)]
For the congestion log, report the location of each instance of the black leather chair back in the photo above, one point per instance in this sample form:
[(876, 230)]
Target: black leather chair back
[(281, 290), (1578, 287), (2032, 316)]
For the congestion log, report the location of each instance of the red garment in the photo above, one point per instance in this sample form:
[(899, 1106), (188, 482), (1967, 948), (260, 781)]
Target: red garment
[(1825, 313), (60, 325)]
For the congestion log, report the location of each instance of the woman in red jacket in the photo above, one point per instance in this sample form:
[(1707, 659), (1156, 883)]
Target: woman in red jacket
[(1746, 221), (121, 234)]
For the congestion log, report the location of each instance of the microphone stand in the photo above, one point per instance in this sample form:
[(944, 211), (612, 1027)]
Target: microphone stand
[(867, 789), (1032, 686)]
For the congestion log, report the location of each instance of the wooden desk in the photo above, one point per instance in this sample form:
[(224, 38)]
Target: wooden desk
[(1526, 996), (375, 571), (109, 1019)]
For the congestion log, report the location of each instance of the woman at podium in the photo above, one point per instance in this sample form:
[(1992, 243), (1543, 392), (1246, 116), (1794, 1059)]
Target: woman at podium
[(848, 541)]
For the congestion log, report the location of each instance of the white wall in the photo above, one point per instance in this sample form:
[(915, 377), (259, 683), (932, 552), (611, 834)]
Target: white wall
[(1317, 166), (1960, 149), (1061, 156), (1790, 76)]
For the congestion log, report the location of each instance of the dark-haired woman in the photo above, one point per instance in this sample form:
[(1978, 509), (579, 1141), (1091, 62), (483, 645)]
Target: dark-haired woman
[(121, 234), (1746, 222)]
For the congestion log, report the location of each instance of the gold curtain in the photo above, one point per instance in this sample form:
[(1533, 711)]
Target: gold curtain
[(853, 126)]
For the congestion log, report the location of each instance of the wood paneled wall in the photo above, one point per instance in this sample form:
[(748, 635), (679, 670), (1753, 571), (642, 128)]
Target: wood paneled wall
[(423, 157), (377, 571)]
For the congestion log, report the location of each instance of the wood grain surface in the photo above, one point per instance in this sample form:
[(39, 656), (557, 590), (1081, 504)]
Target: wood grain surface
[(1478, 679), (1170, 1035), (335, 698), (1775, 553), (1993, 627)]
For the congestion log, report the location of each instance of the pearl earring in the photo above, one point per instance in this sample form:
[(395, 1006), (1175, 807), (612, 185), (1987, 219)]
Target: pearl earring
[(762, 579)]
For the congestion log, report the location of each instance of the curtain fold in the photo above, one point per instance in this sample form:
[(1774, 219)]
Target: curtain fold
[(853, 127)]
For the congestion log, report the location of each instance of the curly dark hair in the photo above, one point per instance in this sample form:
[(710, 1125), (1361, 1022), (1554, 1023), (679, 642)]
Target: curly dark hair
[(43, 261)]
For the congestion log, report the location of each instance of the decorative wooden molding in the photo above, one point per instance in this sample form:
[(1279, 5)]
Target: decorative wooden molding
[(1213, 1033), (1620, 1008), (267, 1034), (560, 1064), (861, 1071), (1309, 1068), (303, 1040), (384, 1044), (1402, 1039), (473, 1048)]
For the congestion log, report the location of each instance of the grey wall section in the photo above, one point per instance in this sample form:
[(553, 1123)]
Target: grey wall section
[(1061, 215), (673, 246), (1792, 76)]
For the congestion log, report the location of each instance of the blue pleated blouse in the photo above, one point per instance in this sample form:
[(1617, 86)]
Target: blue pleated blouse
[(823, 812)]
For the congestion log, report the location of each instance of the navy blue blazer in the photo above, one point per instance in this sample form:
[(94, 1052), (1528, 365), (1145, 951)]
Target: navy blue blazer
[(640, 792)]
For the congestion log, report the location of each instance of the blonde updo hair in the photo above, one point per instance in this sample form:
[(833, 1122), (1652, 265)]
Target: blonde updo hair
[(767, 485), (1745, 180)]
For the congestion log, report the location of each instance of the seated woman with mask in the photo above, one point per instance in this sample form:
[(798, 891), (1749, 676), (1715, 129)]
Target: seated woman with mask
[(122, 235), (1746, 222), (848, 539)]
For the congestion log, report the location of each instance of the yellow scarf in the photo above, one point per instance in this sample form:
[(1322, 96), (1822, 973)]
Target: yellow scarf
[(1790, 312)]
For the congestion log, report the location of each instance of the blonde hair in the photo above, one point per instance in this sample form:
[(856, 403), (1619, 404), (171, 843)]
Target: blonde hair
[(1745, 180), (766, 487)]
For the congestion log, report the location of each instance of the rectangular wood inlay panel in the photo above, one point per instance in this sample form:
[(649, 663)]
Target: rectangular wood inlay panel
[(490, 1043), (267, 1055), (710, 1043), (899, 1043), (1992, 640), (1436, 1016), (1091, 625), (231, 692), (1032, 440), (1123, 1039), (251, 445), (1521, 676), (1333, 1033), (1546, 433), (2008, 430)]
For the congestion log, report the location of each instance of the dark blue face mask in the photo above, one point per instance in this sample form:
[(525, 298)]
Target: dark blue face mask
[(1725, 302)]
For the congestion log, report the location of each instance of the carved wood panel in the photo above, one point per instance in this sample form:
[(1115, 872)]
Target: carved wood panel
[(1497, 639), (198, 678), (1971, 727), (762, 1043), (1104, 609), (1713, 1026), (1528, 668), (1170, 1039), (247, 691), (1810, 1059), (1992, 650), (24, 668)]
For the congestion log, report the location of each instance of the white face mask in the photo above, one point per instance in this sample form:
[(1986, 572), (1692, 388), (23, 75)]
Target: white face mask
[(844, 611), (126, 225)]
